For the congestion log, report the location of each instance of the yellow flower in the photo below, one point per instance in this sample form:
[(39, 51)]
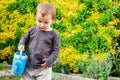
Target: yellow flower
[(78, 28), (100, 56), (5, 3), (5, 52), (117, 33), (95, 15), (75, 70), (69, 55), (113, 22)]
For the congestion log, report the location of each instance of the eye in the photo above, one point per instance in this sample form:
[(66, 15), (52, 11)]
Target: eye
[(46, 22), (39, 21)]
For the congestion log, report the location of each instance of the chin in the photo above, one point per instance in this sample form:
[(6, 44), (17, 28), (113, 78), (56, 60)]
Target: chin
[(43, 29)]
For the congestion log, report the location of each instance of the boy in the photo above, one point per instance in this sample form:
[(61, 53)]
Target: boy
[(43, 44)]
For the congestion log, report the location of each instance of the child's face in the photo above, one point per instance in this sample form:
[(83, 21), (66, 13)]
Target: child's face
[(44, 22)]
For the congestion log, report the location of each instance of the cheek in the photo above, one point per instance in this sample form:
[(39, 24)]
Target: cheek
[(38, 24), (49, 24)]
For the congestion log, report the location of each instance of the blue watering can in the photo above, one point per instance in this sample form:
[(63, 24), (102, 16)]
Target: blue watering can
[(19, 63)]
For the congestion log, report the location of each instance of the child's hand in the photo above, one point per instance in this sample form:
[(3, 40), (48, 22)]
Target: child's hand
[(43, 65), (21, 47)]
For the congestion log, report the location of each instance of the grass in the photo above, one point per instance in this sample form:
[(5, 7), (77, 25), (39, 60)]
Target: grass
[(10, 78)]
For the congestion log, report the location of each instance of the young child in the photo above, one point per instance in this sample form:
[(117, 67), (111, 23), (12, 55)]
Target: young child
[(43, 45)]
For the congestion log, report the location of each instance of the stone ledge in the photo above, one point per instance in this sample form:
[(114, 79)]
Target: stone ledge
[(56, 76), (78, 77), (70, 77), (6, 73)]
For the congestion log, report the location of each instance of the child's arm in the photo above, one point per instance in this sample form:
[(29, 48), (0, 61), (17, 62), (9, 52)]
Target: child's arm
[(54, 54), (24, 40)]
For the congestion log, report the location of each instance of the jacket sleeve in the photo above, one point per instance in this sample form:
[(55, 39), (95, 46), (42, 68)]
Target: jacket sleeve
[(54, 54)]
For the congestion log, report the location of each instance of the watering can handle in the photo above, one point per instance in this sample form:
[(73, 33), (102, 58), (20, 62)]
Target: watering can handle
[(21, 52)]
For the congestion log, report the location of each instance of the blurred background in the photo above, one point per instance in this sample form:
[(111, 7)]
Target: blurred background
[(89, 33)]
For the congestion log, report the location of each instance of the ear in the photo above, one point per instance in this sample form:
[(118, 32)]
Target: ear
[(53, 21)]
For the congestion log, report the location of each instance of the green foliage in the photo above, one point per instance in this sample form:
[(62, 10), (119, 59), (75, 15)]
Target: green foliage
[(80, 41), (90, 27), (95, 68), (74, 21), (8, 58), (64, 41), (80, 65), (1, 30), (2, 65), (99, 43), (88, 39), (104, 19), (59, 26), (117, 14), (83, 41), (11, 42), (115, 11), (22, 5), (89, 3), (2, 46), (21, 24), (108, 15), (84, 38), (61, 68), (81, 16), (115, 71), (58, 14), (117, 25), (18, 34), (110, 32), (8, 42), (11, 78), (80, 1), (103, 5)]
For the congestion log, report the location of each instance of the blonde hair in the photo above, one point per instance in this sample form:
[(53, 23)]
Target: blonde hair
[(46, 8)]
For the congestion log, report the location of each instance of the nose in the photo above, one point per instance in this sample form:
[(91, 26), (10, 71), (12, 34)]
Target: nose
[(42, 24)]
